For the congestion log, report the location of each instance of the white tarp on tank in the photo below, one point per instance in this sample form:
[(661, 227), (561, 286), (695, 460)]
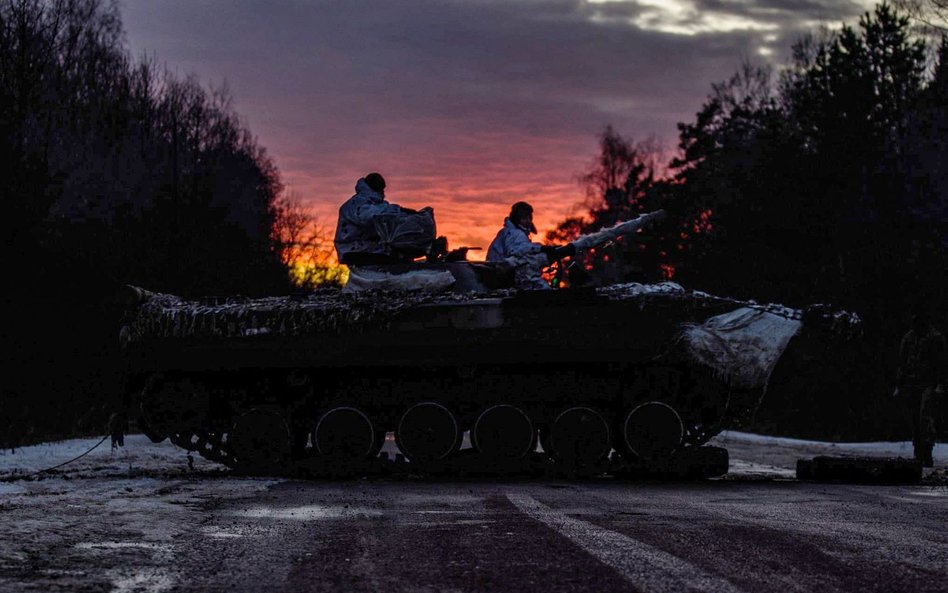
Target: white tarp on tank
[(361, 280), (742, 346)]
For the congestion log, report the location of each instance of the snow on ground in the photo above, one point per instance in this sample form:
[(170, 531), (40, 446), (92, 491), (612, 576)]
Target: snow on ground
[(755, 455), (751, 455), (139, 456), (109, 520)]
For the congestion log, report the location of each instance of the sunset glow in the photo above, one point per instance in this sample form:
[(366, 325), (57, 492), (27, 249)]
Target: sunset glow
[(463, 106)]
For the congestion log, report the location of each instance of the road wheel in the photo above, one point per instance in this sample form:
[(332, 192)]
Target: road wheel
[(579, 437), (427, 432), (503, 432), (345, 432), (651, 430)]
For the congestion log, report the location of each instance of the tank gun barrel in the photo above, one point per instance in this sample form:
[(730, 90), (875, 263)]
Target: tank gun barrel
[(621, 229)]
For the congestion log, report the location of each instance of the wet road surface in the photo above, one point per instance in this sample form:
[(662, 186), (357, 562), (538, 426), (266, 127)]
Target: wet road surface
[(725, 537), (141, 520), (204, 534)]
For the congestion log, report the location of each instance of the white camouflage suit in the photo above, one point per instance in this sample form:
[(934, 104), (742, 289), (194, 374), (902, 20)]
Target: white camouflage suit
[(513, 245), (355, 232)]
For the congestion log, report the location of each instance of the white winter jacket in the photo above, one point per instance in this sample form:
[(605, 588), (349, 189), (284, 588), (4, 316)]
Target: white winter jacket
[(355, 232), (511, 241)]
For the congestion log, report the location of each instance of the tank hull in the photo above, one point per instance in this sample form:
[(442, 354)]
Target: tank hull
[(509, 371)]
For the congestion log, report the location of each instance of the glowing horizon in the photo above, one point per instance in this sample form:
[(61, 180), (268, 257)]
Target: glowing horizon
[(464, 106)]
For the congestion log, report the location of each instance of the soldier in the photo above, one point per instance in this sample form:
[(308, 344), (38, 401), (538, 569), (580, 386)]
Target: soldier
[(513, 246), (920, 381), (513, 239), (357, 238)]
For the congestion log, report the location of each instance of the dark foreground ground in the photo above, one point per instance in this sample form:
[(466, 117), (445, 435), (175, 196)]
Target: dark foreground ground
[(143, 522)]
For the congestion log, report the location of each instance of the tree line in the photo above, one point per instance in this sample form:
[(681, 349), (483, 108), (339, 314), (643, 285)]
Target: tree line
[(116, 171), (119, 164), (822, 182)]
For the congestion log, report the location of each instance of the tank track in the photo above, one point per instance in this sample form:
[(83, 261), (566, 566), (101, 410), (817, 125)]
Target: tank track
[(207, 445), (700, 462), (281, 426)]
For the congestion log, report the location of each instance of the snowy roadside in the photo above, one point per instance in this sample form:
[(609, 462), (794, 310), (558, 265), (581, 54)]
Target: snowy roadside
[(760, 456), (139, 457), (109, 521), (752, 455)]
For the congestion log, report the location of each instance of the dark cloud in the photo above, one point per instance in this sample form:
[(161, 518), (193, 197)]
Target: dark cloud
[(469, 104)]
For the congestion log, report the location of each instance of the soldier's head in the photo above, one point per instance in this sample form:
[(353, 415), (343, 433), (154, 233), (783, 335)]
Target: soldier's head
[(920, 319), (521, 214), (376, 182)]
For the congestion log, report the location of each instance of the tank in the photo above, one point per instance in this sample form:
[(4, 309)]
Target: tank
[(470, 379)]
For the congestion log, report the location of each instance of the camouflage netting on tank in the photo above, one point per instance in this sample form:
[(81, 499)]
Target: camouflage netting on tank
[(330, 310), (670, 291), (844, 324)]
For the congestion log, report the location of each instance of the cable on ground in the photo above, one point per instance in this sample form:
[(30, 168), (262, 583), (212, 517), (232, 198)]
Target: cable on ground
[(55, 467)]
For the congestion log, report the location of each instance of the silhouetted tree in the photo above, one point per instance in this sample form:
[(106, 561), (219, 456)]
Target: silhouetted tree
[(116, 172), (732, 169), (802, 176), (811, 184), (620, 184), (306, 247), (150, 178), (823, 184)]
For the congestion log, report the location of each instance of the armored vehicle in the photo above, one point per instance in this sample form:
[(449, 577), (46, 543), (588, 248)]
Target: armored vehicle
[(622, 378)]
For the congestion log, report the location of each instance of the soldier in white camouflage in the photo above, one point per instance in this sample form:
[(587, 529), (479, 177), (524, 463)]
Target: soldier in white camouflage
[(513, 244)]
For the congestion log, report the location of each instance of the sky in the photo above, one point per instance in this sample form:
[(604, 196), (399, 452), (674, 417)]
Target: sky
[(464, 105)]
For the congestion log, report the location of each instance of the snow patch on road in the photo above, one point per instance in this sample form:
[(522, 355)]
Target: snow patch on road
[(153, 580), (309, 513), (149, 577), (122, 546), (220, 533), (931, 493), (749, 469)]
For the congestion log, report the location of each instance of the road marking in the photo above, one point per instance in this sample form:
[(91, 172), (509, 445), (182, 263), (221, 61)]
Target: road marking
[(910, 544), (647, 568), (891, 540)]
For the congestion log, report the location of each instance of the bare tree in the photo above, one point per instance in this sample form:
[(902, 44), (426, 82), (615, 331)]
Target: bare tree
[(618, 158), (305, 245), (933, 14)]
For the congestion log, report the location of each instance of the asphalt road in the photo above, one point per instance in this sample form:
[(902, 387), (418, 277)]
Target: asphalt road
[(721, 536), (211, 533), (140, 519)]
